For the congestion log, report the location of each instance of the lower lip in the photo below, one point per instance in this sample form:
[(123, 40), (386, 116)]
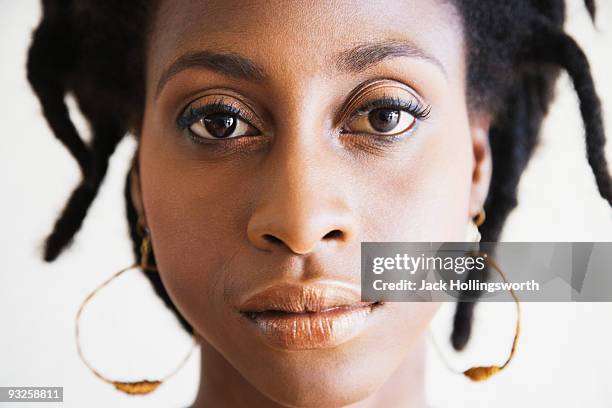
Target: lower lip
[(310, 330)]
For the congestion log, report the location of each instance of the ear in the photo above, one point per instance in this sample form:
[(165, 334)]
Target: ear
[(135, 191), (482, 163)]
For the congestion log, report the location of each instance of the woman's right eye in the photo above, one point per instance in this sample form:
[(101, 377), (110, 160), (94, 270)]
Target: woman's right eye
[(222, 126), (216, 121)]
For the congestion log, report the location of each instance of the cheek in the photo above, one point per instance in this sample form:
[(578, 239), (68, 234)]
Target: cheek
[(425, 195), (195, 219)]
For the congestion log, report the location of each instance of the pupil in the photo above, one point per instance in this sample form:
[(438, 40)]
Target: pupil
[(384, 120), (220, 125)]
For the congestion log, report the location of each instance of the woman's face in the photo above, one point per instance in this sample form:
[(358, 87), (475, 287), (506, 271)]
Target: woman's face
[(276, 138)]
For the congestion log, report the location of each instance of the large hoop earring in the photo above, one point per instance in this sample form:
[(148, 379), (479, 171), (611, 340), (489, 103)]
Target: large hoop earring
[(130, 387), (481, 373)]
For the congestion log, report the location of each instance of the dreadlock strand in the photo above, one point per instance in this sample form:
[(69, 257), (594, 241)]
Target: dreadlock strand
[(591, 8), (47, 73), (69, 221), (577, 66), (556, 47), (105, 139)]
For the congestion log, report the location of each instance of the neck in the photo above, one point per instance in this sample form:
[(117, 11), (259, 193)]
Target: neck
[(221, 385)]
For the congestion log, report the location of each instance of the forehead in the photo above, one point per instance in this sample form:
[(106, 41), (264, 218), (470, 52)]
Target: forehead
[(291, 36)]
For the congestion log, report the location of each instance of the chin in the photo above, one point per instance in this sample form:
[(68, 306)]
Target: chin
[(325, 380)]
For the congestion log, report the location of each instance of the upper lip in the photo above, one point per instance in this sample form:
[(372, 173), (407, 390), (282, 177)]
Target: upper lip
[(303, 298)]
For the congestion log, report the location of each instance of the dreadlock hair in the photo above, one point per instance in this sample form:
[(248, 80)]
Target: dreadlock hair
[(516, 49)]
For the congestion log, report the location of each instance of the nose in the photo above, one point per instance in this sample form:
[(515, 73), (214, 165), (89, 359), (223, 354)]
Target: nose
[(302, 205)]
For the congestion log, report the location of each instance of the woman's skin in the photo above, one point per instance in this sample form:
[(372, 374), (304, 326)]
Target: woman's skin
[(285, 204)]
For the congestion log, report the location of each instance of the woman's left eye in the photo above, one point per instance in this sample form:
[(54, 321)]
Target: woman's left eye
[(222, 126), (382, 121)]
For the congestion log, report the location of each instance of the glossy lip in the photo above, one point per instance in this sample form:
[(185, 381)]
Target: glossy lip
[(302, 317)]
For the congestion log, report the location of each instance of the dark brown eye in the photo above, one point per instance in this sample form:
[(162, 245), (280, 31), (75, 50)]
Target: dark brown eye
[(384, 120), (220, 125)]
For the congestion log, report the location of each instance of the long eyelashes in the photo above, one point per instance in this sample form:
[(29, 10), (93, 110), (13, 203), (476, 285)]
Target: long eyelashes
[(413, 107), (191, 115)]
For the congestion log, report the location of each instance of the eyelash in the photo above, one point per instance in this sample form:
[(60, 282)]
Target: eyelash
[(415, 108), (191, 115)]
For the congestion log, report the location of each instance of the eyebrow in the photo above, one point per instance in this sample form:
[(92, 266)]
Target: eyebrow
[(364, 55), (229, 64)]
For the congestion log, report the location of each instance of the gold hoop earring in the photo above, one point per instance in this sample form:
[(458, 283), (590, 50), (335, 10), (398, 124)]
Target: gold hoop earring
[(472, 232), (129, 387), (481, 373), (145, 246), (480, 218)]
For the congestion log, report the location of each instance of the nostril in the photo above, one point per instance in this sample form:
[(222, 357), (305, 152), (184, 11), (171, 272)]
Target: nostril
[(272, 239), (335, 234)]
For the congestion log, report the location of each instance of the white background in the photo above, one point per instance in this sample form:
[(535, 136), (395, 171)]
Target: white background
[(563, 357)]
